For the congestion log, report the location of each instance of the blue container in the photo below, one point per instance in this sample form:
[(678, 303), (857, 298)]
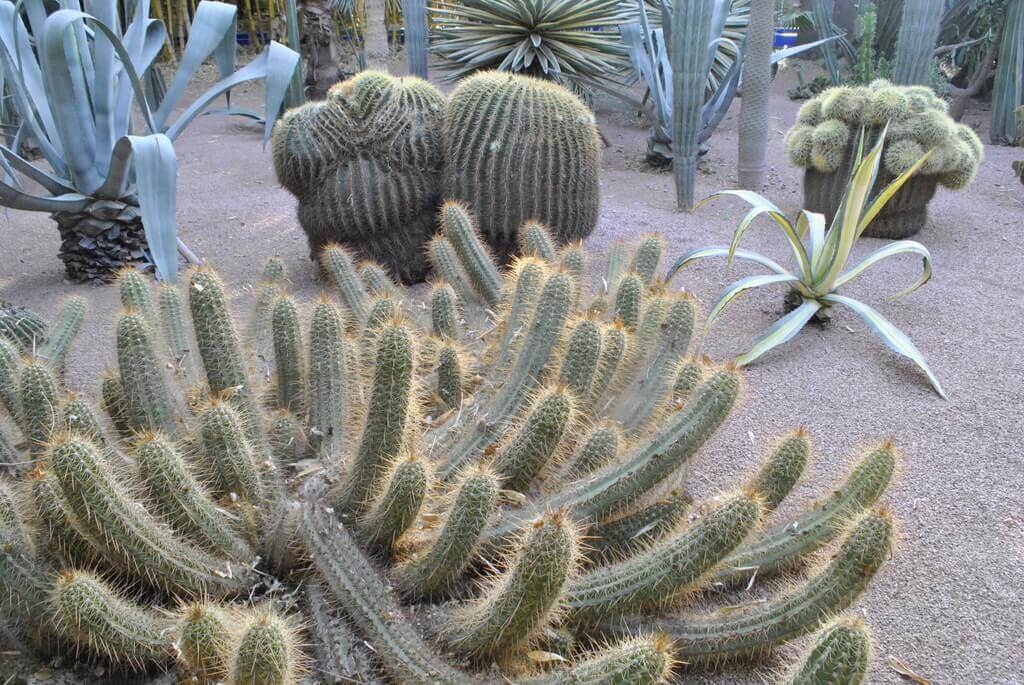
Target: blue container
[(785, 38)]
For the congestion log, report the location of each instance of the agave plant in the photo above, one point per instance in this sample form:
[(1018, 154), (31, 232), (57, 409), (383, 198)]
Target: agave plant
[(75, 77), (562, 40), (822, 266)]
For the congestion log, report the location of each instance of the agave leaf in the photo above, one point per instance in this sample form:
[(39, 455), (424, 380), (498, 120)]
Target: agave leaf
[(814, 224), (893, 337), (702, 252), (781, 331), (17, 199), (156, 172), (883, 197), (894, 248), (741, 286), (54, 185)]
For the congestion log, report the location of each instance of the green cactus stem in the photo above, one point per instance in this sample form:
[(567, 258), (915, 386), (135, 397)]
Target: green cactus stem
[(377, 281), (172, 323), (535, 241), (37, 404), (233, 461), (397, 508), (134, 291), (633, 661), (341, 268), (450, 379), (203, 636), (520, 601), (688, 376), (267, 651), (77, 416), (460, 231), (783, 469), (596, 450), (625, 536), (614, 349), (647, 258), (840, 653), (327, 399), (629, 300), (666, 569), (451, 553), (384, 428), (63, 332), (582, 355), (527, 275), (113, 402), (147, 393), (446, 264), (786, 544), (24, 579), (285, 438), (288, 361), (718, 638), (97, 618), (536, 440), (9, 356), (444, 311)]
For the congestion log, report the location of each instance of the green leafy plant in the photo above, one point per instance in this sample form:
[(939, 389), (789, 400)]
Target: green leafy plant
[(75, 77), (821, 265), (137, 534), (561, 40)]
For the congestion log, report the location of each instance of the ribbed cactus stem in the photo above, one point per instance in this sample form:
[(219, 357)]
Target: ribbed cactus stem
[(178, 497), (147, 393), (233, 461), (691, 33), (444, 311), (526, 282), (37, 404), (285, 438), (446, 264), (647, 257), (134, 291), (536, 440), (783, 469), (624, 536), (629, 300), (24, 580), (450, 376), (377, 281), (77, 416), (328, 382), (114, 404), (715, 639), (919, 31), (633, 661), (778, 548), (688, 376), (267, 651), (616, 264), (582, 354), (520, 601), (396, 509), (597, 449), (203, 637), (614, 349), (372, 606), (840, 653), (172, 323), (288, 354), (666, 569), (384, 427), (474, 256), (63, 332), (63, 532), (132, 537), (9, 356), (535, 241), (98, 619), (451, 553), (541, 338)]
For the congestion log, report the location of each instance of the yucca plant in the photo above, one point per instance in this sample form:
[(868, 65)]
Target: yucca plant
[(822, 263), (75, 78), (512, 488), (561, 40)]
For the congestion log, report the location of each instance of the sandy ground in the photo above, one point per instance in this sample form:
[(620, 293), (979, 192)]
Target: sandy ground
[(950, 604)]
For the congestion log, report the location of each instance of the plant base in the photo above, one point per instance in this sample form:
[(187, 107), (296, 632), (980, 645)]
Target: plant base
[(95, 243)]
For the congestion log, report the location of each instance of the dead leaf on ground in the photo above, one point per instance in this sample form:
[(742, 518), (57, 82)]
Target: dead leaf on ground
[(900, 666)]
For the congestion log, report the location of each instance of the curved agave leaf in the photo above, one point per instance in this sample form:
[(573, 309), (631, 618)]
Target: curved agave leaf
[(717, 251), (894, 248), (883, 197), (814, 224), (741, 286), (156, 174), (893, 337), (18, 199), (781, 331)]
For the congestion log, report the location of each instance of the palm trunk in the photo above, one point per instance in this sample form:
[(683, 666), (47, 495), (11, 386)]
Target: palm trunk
[(321, 49), (104, 237), (757, 81), (375, 35)]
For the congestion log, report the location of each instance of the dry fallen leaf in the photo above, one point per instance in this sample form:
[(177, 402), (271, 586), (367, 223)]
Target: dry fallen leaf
[(542, 657), (900, 666)]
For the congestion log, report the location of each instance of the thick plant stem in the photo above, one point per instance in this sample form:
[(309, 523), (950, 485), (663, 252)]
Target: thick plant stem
[(691, 32), (918, 32), (757, 79)]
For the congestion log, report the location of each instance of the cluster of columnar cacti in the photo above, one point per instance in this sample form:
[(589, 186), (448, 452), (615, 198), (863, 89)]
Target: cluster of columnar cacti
[(369, 163), (454, 500), (825, 139)]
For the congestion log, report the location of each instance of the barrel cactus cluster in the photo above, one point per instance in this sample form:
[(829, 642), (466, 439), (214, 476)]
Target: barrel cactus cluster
[(370, 164), (483, 485), (827, 133)]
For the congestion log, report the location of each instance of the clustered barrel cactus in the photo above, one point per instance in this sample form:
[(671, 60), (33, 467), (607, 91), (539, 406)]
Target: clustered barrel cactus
[(370, 164), (409, 497), (826, 134)]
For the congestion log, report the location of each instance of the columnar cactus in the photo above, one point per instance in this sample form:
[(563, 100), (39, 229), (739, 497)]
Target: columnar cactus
[(365, 165), (520, 488), (498, 123), (827, 133)]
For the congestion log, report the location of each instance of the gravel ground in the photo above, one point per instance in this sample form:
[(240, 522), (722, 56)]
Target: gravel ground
[(950, 602)]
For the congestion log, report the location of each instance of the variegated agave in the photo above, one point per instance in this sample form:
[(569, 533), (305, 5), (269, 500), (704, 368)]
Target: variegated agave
[(822, 264), (562, 40), (75, 77)]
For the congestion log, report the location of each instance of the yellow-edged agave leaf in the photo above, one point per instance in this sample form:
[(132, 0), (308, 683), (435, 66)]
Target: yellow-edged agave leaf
[(883, 197), (761, 205), (813, 223), (781, 331), (741, 286), (718, 251), (898, 247), (893, 337)]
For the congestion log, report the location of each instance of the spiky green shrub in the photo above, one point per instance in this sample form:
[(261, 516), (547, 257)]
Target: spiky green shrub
[(528, 518), (487, 138), (365, 165), (827, 132)]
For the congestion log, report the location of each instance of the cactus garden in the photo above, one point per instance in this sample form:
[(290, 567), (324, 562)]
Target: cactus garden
[(417, 369)]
